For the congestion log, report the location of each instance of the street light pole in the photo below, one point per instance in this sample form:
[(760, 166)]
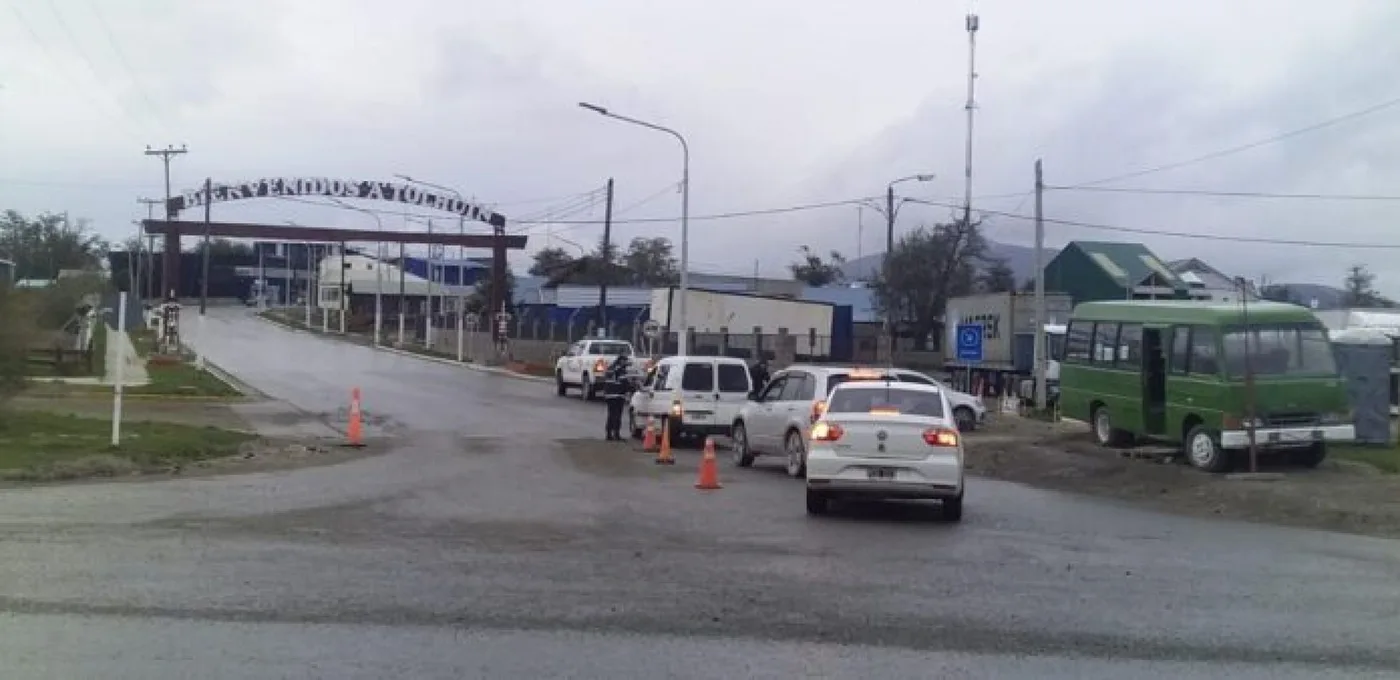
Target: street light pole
[(889, 247), (378, 266), (681, 335), (461, 250)]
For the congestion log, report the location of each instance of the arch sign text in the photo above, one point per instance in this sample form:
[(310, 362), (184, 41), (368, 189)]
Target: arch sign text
[(408, 194)]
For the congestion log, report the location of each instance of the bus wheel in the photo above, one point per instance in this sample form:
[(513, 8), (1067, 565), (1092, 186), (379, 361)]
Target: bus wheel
[(1104, 431), (1203, 450)]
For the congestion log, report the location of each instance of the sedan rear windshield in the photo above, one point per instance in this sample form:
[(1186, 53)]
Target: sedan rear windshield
[(878, 397), (611, 347)]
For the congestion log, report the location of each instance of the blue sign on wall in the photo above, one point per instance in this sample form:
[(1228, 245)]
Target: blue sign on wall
[(969, 342)]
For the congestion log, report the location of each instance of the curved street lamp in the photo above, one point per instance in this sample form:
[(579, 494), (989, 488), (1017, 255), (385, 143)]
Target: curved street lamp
[(681, 335)]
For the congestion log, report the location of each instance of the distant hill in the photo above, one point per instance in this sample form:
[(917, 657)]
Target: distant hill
[(1021, 259)]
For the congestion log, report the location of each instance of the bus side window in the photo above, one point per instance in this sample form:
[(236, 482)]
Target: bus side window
[(1204, 359), (1077, 340), (1181, 349), (1130, 345), (1105, 342)]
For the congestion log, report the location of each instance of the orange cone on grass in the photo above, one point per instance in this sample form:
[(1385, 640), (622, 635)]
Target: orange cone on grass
[(709, 468), (354, 432), (663, 453)]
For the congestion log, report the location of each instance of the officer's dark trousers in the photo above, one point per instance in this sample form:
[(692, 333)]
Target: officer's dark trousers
[(614, 417)]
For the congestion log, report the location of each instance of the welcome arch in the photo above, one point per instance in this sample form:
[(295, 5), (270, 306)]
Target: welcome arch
[(407, 194)]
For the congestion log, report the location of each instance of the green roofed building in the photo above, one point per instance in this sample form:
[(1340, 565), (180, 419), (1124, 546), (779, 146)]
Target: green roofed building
[(1095, 270)]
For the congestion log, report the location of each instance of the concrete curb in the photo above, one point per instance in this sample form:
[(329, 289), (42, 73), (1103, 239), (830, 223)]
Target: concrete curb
[(471, 366)]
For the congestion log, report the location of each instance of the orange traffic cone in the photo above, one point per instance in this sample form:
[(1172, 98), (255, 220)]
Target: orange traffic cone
[(353, 431), (649, 439), (663, 454), (709, 469)]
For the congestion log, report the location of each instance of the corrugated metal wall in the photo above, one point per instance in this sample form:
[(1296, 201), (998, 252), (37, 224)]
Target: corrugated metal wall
[(573, 296), (1366, 369)]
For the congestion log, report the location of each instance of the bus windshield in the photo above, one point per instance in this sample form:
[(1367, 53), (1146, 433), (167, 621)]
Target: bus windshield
[(1279, 351)]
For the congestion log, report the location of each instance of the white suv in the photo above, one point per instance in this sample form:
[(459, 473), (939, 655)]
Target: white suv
[(776, 421), (886, 439)]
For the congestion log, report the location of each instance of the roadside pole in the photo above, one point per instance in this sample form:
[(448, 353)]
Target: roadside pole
[(460, 328), (1040, 359), (341, 297), (889, 253), (120, 374), (402, 263), (313, 288), (204, 275)]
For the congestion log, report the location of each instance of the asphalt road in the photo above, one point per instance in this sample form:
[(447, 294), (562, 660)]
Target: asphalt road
[(487, 544)]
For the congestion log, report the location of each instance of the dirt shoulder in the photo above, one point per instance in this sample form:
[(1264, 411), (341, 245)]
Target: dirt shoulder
[(270, 436), (1340, 495)]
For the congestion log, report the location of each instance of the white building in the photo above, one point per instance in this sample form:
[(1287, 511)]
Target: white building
[(1208, 283)]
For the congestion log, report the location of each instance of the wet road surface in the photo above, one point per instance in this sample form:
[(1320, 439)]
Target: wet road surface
[(487, 544)]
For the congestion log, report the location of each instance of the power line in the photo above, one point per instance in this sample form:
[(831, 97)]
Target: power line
[(1231, 194), (1246, 147), (1182, 234), (92, 69), (58, 67), (121, 57), (534, 224), (729, 215)]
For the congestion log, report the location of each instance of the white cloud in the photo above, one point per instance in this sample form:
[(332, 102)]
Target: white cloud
[(782, 101)]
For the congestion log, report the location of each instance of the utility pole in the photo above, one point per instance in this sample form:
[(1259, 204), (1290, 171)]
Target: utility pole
[(889, 253), (151, 204), (168, 268), (1040, 358), (204, 273), (607, 260)]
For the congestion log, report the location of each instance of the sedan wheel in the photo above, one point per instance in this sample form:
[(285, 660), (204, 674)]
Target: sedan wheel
[(796, 455), (743, 456)]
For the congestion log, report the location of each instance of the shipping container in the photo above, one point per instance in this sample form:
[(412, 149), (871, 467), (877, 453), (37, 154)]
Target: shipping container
[(817, 325), (1008, 336)]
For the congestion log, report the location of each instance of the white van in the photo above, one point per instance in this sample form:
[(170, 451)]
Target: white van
[(700, 395)]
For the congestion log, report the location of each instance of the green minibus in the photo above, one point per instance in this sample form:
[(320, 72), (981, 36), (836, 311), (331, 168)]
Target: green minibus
[(1177, 371)]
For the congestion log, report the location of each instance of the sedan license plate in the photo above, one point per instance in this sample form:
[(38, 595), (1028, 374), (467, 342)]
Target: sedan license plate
[(881, 474)]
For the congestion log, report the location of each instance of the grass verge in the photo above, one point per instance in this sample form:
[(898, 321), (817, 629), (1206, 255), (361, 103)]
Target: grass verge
[(176, 377), (38, 446), (1383, 458)]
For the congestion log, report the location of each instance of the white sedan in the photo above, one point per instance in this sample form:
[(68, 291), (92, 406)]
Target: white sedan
[(886, 439)]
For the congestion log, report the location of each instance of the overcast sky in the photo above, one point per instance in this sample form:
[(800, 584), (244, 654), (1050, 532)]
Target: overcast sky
[(783, 103)]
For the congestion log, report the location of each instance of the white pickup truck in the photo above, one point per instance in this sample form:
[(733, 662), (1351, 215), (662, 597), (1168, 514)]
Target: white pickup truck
[(584, 363)]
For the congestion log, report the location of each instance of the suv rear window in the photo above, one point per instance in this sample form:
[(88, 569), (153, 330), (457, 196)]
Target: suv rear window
[(733, 378), (698, 378)]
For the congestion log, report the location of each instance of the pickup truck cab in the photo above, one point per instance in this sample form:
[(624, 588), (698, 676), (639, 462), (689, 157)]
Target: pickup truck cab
[(584, 364)]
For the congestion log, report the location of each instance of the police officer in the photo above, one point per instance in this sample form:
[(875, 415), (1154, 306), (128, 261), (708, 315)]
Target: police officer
[(616, 385), (758, 374)]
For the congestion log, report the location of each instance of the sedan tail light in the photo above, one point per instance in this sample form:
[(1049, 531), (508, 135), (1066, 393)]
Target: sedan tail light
[(940, 436), (818, 408), (826, 432), (599, 366)]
